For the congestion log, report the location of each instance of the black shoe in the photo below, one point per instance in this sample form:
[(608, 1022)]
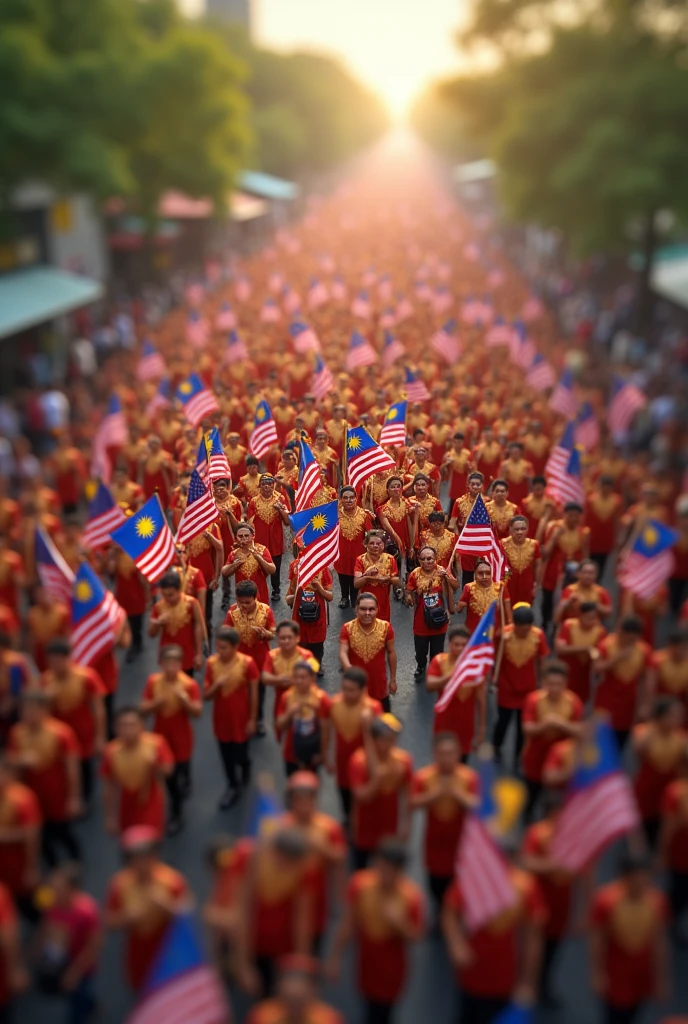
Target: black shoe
[(276, 596), (261, 730), (174, 826), (230, 797), (343, 603), (225, 603), (321, 673), (131, 656), (418, 675)]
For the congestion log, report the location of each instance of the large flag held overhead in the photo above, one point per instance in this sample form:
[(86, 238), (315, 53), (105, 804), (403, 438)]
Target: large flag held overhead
[(148, 540), (97, 618), (587, 429), (200, 512), (104, 516), (202, 460), (563, 400), (475, 661), (445, 342), (53, 572), (303, 338), (323, 381), (197, 400), (567, 485), (393, 431), (361, 353), (181, 986), (414, 386), (218, 466), (310, 477), (649, 563), (391, 350), (112, 432), (264, 434), (626, 400), (478, 539), (600, 805), (364, 457), (318, 529), (151, 365)]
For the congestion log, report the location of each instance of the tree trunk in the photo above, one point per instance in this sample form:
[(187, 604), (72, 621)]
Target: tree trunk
[(645, 299)]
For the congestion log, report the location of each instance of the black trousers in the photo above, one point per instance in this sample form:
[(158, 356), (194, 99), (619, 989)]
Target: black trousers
[(386, 704), (360, 858), (209, 594), (467, 576), (547, 609), (275, 578), (58, 834), (261, 701), (620, 1014), (600, 559), (86, 780), (267, 970), (678, 592), (438, 885), (109, 702), (504, 716), (534, 789), (622, 738), (177, 787), (378, 1013), (549, 954), (678, 893), (317, 650), (235, 760), (346, 585), (345, 795), (426, 648), (136, 627), (479, 1009)]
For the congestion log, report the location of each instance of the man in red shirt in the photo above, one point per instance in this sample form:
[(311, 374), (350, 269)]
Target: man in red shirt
[(20, 832), (603, 510), (673, 847), (231, 682), (468, 703), (141, 901), (295, 998), (177, 619), (367, 642), (380, 777), (661, 748), (175, 699), (384, 914), (576, 643), (302, 720), (351, 708), (13, 976), (133, 767), (628, 947), (46, 753), (445, 789), (622, 673), (524, 647)]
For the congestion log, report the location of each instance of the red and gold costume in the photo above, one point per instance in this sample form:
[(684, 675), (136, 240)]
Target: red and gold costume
[(459, 466), (387, 566), (424, 584), (518, 671), (134, 769), (445, 817), (232, 703), (556, 886), (373, 819), (172, 720), (671, 674), (44, 625), (267, 522), (660, 755), (478, 599), (314, 704), (249, 569), (354, 527), (368, 650), (347, 724), (602, 515), (243, 623), (537, 706), (617, 690), (71, 700), (518, 474), (501, 516), (50, 747), (523, 560), (572, 634), (180, 626), (19, 809), (570, 546), (443, 545)]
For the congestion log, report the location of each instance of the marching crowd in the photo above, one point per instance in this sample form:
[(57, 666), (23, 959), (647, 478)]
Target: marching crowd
[(573, 642)]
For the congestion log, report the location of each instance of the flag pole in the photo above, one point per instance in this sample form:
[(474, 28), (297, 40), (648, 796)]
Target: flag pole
[(344, 453)]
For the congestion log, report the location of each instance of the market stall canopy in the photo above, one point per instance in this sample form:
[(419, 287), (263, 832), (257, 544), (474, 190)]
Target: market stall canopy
[(33, 296), (267, 186), (670, 274)]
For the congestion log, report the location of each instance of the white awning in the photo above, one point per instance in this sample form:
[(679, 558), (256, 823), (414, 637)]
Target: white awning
[(33, 296)]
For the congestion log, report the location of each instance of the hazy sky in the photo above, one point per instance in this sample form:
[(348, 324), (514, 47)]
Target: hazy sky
[(395, 46)]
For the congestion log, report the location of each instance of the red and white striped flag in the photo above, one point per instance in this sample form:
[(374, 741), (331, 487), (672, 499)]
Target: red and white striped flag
[(414, 387), (310, 478), (270, 312), (475, 661), (361, 353), (104, 516), (446, 343), (323, 381), (264, 435), (391, 350), (563, 400), (151, 365), (226, 318), (361, 307), (483, 875), (393, 433), (97, 618), (649, 563), (587, 429), (303, 338), (200, 512), (404, 309), (478, 539), (566, 485), (626, 401), (217, 462), (540, 375), (317, 294), (499, 334), (196, 330), (53, 572), (112, 432)]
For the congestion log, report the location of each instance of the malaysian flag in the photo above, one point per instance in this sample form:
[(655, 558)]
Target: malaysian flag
[(202, 460), (97, 618), (522, 349), (197, 400), (323, 381), (162, 399), (181, 985), (218, 466), (391, 350), (540, 375), (563, 400), (414, 387), (361, 353), (475, 661), (482, 871), (626, 400), (148, 540), (303, 338), (236, 351), (196, 330), (112, 432), (499, 333), (200, 512), (567, 484), (587, 429), (404, 309), (104, 516), (319, 531), (360, 307), (600, 805), (446, 343), (264, 434), (151, 365), (561, 453), (442, 299), (226, 318), (338, 290), (364, 457), (317, 294), (310, 477), (53, 572), (645, 568), (270, 312), (478, 539), (393, 431)]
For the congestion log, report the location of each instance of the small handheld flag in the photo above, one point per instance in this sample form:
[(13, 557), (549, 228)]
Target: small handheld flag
[(587, 429), (310, 477), (361, 307), (540, 375), (200, 512), (626, 401), (319, 530), (414, 387), (198, 402), (112, 432), (561, 453), (104, 516), (361, 353), (270, 312), (160, 400), (53, 572), (226, 318), (649, 563), (236, 351), (445, 342), (196, 330), (567, 486), (323, 381), (304, 339), (392, 350), (264, 434), (364, 457), (148, 540), (563, 400), (393, 431), (97, 618), (151, 365), (478, 538), (475, 661), (218, 466)]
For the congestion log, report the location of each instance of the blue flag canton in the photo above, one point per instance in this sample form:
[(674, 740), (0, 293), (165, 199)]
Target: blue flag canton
[(574, 464), (654, 539), (102, 502), (141, 530), (87, 595), (599, 757), (409, 376), (358, 440), (478, 515), (389, 339), (180, 952), (213, 443), (585, 413), (296, 328), (484, 631), (233, 338), (202, 456), (357, 339), (43, 553), (263, 413), (306, 457), (396, 413), (315, 523), (319, 364), (189, 388), (114, 406), (196, 488), (148, 348), (449, 327), (568, 438), (566, 380)]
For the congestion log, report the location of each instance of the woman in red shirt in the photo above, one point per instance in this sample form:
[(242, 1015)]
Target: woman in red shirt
[(249, 561), (354, 522), (376, 572), (303, 602), (459, 717), (429, 588)]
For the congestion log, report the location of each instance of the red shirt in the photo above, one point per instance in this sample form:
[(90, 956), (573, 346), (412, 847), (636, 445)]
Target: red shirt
[(478, 599), (430, 589), (51, 746), (72, 702), (630, 929), (602, 517), (555, 886), (459, 716), (231, 703), (381, 952), (273, 1011), (672, 677), (518, 671), (522, 560), (387, 567), (373, 819), (368, 650), (201, 555), (321, 828), (539, 705), (250, 643), (73, 927), (130, 586), (8, 923), (19, 808), (144, 938), (134, 770), (675, 809), (444, 818), (313, 707), (249, 569), (580, 665), (172, 720), (311, 632), (496, 946), (348, 731), (180, 629), (658, 764), (267, 522), (617, 690)]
